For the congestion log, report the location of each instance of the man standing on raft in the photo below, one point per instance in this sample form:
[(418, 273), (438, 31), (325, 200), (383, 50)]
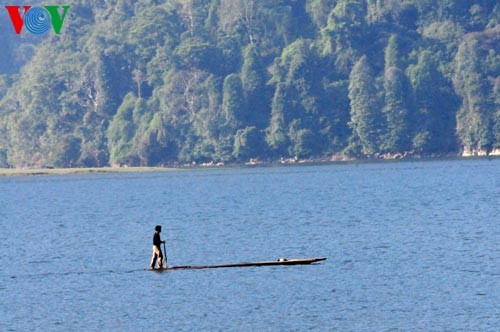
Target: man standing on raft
[(157, 253)]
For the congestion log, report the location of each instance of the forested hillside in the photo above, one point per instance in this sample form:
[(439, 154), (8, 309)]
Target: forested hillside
[(180, 81)]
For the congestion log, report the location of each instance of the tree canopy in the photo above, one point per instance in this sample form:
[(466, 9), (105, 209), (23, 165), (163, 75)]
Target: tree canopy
[(155, 82)]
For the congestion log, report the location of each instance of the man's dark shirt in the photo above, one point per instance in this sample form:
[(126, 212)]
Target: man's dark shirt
[(157, 240)]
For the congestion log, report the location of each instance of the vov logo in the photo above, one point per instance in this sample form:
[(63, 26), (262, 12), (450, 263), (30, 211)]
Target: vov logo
[(37, 20)]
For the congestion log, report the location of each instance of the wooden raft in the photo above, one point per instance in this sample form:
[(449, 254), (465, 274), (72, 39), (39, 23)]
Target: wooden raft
[(295, 261)]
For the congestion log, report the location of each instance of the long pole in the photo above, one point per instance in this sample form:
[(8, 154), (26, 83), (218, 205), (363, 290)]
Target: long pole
[(165, 254)]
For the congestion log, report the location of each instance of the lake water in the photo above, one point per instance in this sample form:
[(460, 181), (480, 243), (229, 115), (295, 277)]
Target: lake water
[(411, 246)]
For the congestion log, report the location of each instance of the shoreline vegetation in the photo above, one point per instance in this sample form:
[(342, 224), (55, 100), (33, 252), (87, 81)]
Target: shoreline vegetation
[(28, 172), (227, 81)]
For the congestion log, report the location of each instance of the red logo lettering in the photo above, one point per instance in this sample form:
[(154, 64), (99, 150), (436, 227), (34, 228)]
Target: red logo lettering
[(15, 17)]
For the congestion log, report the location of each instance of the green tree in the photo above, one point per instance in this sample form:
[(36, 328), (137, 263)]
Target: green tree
[(496, 121), (233, 103), (391, 55), (276, 136), (4, 160), (365, 107), (68, 152), (334, 121), (158, 146), (248, 143), (253, 77), (397, 96), (343, 35), (304, 142), (121, 132), (397, 136), (433, 119), (474, 121), (195, 53), (319, 10)]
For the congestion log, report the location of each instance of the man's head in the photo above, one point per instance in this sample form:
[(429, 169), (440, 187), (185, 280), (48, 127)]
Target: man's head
[(158, 228)]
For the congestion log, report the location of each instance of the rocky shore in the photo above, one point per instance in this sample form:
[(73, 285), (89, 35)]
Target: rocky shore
[(336, 158)]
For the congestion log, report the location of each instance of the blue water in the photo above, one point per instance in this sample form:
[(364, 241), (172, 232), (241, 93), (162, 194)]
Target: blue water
[(411, 246)]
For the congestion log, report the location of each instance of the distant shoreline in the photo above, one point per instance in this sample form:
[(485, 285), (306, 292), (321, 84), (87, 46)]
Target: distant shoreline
[(13, 172), (28, 172)]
